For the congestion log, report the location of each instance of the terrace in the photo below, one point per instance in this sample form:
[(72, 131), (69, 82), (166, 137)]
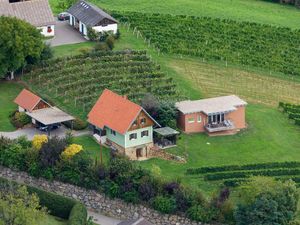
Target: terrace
[(220, 126)]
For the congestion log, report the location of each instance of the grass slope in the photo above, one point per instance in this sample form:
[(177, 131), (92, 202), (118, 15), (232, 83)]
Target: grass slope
[(270, 137), (8, 92), (245, 10)]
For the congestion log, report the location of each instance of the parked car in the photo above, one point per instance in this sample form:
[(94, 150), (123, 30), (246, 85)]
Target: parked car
[(46, 128), (63, 16)]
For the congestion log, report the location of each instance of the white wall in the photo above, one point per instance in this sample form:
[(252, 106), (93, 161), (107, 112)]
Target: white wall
[(110, 27), (44, 30), (82, 28), (21, 109)]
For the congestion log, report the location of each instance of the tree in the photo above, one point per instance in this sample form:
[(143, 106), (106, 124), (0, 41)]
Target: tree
[(65, 4), (265, 201), (18, 207), (19, 42), (51, 151)]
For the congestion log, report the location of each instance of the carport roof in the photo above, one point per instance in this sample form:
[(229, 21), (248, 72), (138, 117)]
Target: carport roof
[(48, 116)]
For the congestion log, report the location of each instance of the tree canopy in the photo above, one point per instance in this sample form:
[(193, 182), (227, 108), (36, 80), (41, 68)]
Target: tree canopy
[(19, 42), (264, 200)]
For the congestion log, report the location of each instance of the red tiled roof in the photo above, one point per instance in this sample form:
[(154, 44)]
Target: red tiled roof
[(27, 100), (113, 111)]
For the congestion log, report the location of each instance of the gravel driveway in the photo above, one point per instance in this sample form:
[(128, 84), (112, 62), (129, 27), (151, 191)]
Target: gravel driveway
[(30, 132), (65, 34)]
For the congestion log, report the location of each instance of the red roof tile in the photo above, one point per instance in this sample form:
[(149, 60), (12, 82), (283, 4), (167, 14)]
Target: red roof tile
[(113, 111), (27, 100)]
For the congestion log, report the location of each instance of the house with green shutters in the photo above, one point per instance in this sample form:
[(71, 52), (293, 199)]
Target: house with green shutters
[(127, 126)]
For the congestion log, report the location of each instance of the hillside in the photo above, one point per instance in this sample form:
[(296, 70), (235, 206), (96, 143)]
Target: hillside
[(245, 10)]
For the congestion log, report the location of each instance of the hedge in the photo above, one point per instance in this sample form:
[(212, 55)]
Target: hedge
[(256, 166), (58, 205), (246, 174)]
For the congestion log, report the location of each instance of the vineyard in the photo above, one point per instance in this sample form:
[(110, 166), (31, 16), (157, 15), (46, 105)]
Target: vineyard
[(76, 82), (256, 45), (234, 175), (293, 111)]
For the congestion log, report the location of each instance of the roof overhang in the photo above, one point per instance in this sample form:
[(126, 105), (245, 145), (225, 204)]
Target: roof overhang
[(48, 116)]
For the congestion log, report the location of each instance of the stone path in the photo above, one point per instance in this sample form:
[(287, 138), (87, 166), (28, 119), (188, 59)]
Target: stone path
[(103, 220), (30, 132)]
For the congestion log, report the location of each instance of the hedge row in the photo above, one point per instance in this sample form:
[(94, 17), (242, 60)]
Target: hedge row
[(246, 174), (256, 166), (58, 205)]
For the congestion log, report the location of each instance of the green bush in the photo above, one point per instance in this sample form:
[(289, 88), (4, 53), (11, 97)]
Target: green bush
[(200, 213), (19, 119), (78, 215), (131, 196), (78, 124), (164, 204)]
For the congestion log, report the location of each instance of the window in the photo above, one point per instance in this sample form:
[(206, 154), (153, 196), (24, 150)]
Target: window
[(132, 136), (113, 132), (49, 29), (191, 120), (143, 120), (145, 133), (199, 119), (134, 123)]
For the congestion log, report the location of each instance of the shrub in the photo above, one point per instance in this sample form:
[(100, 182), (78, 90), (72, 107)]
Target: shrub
[(50, 151), (101, 46), (164, 204), (20, 119), (39, 140), (147, 188), (92, 34), (110, 41), (13, 156), (200, 213), (71, 150), (131, 196), (171, 187), (78, 215), (78, 124)]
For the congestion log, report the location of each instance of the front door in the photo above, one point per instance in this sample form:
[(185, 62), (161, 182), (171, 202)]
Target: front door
[(82, 29), (139, 152)]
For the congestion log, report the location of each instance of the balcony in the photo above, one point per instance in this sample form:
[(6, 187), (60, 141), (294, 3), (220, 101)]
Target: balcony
[(222, 126)]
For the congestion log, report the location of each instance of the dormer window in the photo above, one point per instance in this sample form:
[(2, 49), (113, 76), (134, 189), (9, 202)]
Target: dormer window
[(143, 120)]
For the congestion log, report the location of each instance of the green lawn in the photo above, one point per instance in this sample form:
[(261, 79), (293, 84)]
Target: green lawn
[(72, 49), (92, 147), (246, 10), (8, 92), (51, 220), (270, 137)]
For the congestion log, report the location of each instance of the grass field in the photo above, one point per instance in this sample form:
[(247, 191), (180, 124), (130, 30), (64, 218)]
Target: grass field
[(246, 10), (51, 220), (72, 49), (8, 92), (270, 137)]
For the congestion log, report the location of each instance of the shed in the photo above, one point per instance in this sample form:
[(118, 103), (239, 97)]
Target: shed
[(165, 137)]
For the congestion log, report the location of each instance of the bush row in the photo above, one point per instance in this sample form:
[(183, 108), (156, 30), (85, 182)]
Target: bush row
[(60, 206), (119, 179), (292, 110), (246, 174), (271, 165)]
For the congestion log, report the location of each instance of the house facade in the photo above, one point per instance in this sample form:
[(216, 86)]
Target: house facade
[(127, 126), (36, 12), (215, 116), (84, 15)]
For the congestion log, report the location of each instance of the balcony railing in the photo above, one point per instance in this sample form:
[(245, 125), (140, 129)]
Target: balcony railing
[(222, 126)]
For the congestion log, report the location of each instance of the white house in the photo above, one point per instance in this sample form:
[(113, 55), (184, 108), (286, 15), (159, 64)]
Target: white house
[(84, 14), (36, 12)]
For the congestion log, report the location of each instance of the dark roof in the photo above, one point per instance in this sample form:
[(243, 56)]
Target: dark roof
[(36, 12), (88, 13), (140, 221)]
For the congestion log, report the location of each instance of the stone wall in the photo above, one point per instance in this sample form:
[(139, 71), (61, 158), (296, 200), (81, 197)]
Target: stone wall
[(97, 202)]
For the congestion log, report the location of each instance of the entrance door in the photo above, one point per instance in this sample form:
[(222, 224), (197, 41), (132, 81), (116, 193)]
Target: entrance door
[(82, 29), (139, 152)]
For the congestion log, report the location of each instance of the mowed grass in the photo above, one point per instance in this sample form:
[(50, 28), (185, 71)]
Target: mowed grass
[(245, 10), (270, 137), (8, 92), (52, 220), (255, 87), (72, 49)]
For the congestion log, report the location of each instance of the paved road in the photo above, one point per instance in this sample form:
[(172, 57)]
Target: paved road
[(65, 34), (30, 132), (103, 220)]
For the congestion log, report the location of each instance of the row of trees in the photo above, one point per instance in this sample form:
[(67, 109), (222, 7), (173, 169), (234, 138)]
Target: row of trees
[(20, 44)]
